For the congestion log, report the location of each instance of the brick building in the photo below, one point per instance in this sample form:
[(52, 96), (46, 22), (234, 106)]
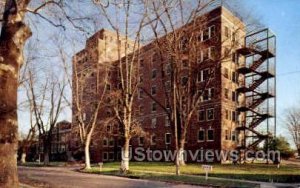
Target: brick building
[(214, 125), (61, 140)]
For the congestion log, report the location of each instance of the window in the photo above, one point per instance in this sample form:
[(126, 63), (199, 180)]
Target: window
[(167, 104), (233, 135), (227, 32), (226, 93), (226, 73), (227, 115), (167, 121), (213, 53), (200, 76), (120, 143), (210, 114), (234, 77), (109, 128), (185, 63), (168, 138), (234, 57), (208, 94), (205, 54), (154, 74), (111, 142), (201, 135), (105, 156), (201, 116), (212, 31), (184, 80), (199, 36), (141, 79), (141, 141), (227, 135), (206, 74), (153, 122), (141, 63), (140, 94), (199, 59), (210, 135), (206, 34), (108, 87), (111, 156), (234, 116), (233, 36), (154, 107), (153, 90), (168, 69), (234, 96), (153, 140)]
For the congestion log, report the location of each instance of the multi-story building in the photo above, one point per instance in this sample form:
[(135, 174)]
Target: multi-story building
[(61, 136), (213, 126)]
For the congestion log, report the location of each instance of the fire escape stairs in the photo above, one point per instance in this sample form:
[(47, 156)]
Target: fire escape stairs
[(258, 117)]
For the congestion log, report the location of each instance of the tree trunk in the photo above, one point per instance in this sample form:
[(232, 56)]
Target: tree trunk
[(46, 152), (13, 36), (181, 159), (87, 156), (8, 118), (46, 158), (125, 157), (23, 157)]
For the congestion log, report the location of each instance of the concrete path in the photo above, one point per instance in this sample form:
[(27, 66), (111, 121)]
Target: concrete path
[(63, 177)]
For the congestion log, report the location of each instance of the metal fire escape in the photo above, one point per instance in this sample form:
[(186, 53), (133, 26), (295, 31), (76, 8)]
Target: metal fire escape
[(257, 60)]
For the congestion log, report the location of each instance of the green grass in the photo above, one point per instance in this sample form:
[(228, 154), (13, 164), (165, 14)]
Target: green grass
[(255, 172), (36, 164), (194, 180)]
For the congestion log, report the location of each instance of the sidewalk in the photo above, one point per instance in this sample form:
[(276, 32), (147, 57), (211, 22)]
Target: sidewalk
[(262, 184)]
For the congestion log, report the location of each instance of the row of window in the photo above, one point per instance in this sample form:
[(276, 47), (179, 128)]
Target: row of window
[(203, 135), (231, 115), (109, 142), (206, 115), (229, 33), (233, 94), (204, 75), (234, 76), (141, 140), (154, 122), (207, 135), (230, 135)]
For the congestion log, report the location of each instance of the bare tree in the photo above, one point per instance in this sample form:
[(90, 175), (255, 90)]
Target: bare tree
[(47, 104), (87, 113), (187, 64), (292, 120), (28, 139), (127, 23)]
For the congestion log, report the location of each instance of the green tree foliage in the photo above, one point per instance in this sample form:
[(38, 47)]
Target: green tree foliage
[(281, 144)]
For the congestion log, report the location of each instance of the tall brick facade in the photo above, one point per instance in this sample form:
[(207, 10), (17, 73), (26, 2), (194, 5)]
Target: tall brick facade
[(213, 125)]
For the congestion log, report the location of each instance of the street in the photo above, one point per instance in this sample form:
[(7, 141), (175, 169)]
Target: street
[(64, 177)]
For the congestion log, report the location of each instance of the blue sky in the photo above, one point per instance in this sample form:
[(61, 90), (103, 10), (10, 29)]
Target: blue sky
[(283, 18)]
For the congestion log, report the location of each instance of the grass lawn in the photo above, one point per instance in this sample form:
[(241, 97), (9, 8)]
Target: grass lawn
[(164, 172), (36, 164)]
